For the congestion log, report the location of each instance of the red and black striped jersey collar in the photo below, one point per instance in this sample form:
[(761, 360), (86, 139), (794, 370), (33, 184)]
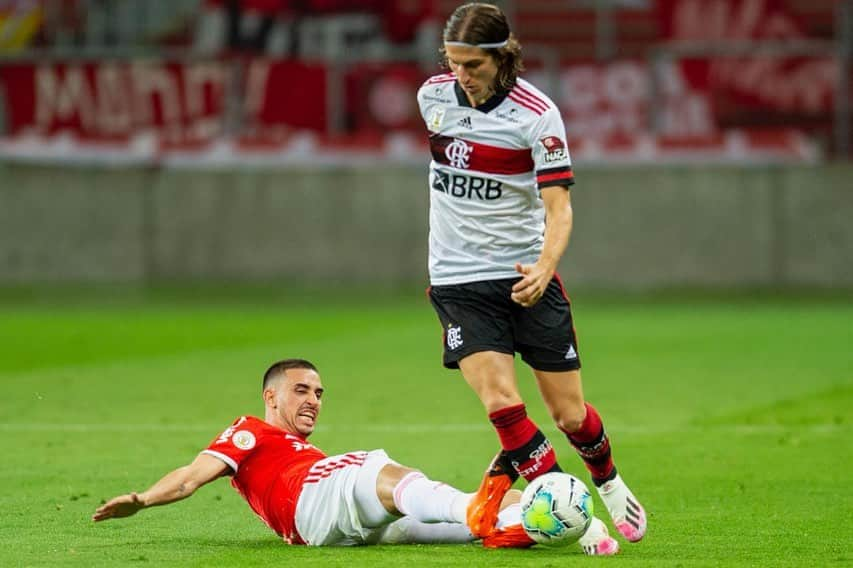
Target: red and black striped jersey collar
[(487, 106)]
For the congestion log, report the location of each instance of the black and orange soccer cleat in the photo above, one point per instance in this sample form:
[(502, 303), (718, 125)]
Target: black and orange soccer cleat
[(512, 536), (482, 514)]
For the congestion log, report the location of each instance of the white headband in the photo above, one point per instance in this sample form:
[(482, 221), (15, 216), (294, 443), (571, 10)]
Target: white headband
[(497, 45)]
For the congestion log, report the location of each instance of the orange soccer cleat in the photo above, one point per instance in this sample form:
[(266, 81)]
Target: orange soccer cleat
[(482, 514), (512, 536)]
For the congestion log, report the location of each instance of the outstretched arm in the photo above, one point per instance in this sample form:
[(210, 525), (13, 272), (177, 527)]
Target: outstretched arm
[(174, 486)]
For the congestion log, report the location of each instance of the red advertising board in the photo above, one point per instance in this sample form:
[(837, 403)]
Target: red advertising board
[(114, 100), (383, 97), (285, 93), (190, 103), (782, 88), (180, 102)]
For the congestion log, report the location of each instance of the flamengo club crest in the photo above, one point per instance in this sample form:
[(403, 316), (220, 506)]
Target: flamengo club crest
[(458, 153), (454, 336)]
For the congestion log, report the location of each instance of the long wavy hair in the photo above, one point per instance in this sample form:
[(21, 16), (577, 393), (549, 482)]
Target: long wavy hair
[(478, 23)]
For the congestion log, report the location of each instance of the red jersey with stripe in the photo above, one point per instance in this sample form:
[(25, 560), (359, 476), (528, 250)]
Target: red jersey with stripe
[(488, 166), (270, 467)]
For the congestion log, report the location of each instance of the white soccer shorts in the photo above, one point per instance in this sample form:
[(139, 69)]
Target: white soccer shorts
[(326, 513)]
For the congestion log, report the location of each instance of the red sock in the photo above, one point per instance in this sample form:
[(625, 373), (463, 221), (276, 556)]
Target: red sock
[(593, 446), (529, 451)]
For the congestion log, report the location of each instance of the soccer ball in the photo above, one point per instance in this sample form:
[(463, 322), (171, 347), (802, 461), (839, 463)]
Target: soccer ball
[(556, 509)]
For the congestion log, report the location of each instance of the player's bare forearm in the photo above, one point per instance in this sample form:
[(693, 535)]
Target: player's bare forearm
[(558, 228), (174, 486)]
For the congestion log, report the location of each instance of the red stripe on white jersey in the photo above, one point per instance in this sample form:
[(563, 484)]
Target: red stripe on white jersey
[(518, 94), (464, 154), (553, 177), (530, 95), (525, 104), (445, 78)]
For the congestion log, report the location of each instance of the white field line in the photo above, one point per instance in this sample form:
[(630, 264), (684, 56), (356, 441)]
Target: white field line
[(420, 428)]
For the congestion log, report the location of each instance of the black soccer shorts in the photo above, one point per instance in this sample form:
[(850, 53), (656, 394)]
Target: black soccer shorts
[(481, 316)]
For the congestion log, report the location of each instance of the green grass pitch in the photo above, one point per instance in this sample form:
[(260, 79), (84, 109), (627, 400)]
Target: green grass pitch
[(730, 418)]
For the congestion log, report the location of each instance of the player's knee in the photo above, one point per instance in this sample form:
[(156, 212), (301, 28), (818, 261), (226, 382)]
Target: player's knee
[(391, 474), (498, 398), (386, 483), (569, 419)]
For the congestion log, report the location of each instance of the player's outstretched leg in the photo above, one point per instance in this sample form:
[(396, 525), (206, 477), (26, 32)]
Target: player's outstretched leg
[(593, 446), (628, 515), (596, 541), (482, 513)]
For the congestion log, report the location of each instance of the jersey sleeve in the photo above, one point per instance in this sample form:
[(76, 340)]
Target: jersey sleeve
[(433, 98), (551, 160), (427, 110), (235, 444), (421, 100)]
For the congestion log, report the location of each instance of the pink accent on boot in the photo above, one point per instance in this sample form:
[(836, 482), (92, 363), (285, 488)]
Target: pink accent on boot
[(628, 515)]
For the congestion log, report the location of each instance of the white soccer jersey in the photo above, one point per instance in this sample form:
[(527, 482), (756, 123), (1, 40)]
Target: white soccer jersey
[(488, 165)]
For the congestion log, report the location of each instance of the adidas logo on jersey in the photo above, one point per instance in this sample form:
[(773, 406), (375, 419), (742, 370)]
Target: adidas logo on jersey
[(465, 122)]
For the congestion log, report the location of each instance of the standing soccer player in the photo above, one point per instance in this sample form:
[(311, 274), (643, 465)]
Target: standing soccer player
[(500, 219)]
